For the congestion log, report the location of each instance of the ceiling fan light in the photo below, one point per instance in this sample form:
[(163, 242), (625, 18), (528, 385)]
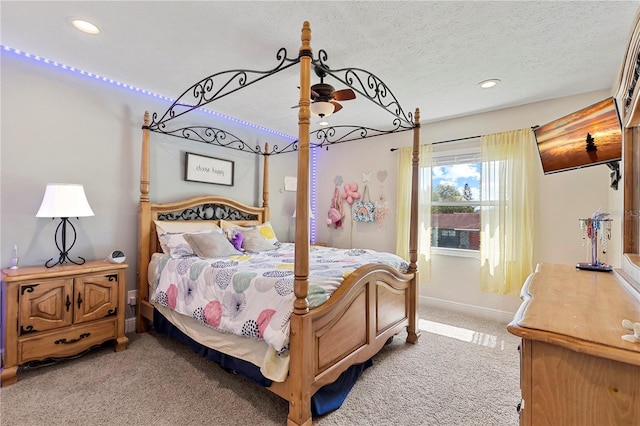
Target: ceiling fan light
[(322, 109)]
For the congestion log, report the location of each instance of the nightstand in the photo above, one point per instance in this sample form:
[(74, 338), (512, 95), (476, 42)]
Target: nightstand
[(58, 312)]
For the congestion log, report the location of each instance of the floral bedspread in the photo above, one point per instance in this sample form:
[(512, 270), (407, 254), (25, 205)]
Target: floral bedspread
[(252, 294)]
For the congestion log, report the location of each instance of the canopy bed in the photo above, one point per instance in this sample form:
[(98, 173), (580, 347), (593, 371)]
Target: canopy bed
[(372, 303)]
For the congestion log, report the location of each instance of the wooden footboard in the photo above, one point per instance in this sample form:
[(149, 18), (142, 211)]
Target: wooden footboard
[(370, 306)]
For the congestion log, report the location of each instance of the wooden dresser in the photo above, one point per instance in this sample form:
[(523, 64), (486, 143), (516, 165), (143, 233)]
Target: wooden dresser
[(59, 312), (575, 369)]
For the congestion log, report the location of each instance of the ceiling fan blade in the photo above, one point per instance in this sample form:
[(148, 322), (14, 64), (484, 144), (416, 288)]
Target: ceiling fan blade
[(337, 106), (313, 93), (344, 95)]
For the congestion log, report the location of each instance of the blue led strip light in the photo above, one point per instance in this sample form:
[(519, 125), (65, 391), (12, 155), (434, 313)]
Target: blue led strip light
[(138, 90), (167, 99), (312, 193)]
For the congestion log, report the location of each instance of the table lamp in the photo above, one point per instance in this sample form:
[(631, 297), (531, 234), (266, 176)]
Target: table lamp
[(64, 200)]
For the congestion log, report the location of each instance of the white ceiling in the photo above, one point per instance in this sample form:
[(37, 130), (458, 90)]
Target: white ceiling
[(432, 54)]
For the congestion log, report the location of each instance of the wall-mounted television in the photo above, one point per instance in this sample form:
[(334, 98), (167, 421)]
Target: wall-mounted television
[(590, 136)]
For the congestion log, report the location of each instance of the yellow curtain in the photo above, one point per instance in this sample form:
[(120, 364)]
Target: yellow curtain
[(506, 219), (403, 211)]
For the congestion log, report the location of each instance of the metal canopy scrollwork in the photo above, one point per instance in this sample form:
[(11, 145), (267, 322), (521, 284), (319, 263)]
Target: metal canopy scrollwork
[(213, 136), (224, 83), (370, 86), (217, 86), (208, 212), (338, 134)]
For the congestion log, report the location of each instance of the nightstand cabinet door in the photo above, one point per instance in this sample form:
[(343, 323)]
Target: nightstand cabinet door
[(45, 305), (96, 296)]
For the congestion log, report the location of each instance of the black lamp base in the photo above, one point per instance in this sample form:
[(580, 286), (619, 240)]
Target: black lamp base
[(64, 259), (61, 244)]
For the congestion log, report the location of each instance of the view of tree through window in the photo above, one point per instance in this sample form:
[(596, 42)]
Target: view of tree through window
[(455, 202)]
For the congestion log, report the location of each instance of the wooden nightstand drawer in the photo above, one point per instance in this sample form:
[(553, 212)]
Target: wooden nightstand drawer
[(60, 312), (66, 343)]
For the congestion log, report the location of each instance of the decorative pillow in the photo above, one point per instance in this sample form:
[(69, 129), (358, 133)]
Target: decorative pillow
[(180, 227), (231, 229), (175, 245), (211, 244), (255, 242), (266, 230), (226, 225)]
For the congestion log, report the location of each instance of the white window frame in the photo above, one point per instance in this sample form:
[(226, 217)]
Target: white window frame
[(472, 153)]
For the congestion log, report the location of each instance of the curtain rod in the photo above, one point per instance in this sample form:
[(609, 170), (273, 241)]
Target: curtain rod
[(462, 139), (447, 141)]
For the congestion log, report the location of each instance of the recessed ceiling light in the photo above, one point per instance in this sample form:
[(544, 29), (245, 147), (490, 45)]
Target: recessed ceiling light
[(488, 84), (84, 26)]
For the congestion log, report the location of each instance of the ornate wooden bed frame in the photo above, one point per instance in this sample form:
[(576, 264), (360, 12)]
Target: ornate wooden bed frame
[(373, 304)]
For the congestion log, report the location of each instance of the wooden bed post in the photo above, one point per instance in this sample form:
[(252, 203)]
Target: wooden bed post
[(265, 183), (301, 305), (413, 329), (301, 366), (143, 226)]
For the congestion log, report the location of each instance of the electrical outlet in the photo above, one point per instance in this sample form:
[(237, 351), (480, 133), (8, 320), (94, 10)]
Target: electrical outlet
[(132, 297)]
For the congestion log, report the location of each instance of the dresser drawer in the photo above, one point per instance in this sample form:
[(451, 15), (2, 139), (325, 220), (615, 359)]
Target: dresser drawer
[(67, 342)]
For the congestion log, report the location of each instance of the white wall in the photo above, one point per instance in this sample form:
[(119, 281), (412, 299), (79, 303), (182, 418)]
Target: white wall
[(61, 127), (560, 200), (350, 160)]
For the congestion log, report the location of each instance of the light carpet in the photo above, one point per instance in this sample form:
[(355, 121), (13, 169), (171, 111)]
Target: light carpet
[(463, 371)]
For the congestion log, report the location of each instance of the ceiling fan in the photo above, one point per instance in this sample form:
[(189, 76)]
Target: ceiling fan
[(324, 97)]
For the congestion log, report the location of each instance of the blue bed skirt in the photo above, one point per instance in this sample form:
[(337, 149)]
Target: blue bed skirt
[(326, 399)]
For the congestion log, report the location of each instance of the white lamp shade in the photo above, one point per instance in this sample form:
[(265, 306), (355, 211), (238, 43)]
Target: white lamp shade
[(322, 109), (64, 200)]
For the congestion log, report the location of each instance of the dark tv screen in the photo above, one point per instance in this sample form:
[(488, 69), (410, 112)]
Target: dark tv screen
[(584, 138)]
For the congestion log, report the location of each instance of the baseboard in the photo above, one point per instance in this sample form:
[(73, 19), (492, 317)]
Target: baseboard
[(130, 325), (478, 311)]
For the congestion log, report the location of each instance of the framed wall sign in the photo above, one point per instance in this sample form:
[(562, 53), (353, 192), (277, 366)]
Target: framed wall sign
[(200, 168)]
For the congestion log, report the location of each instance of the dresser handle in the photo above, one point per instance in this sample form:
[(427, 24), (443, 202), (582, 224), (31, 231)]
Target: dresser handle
[(79, 300), (69, 342), (68, 303), (520, 406)]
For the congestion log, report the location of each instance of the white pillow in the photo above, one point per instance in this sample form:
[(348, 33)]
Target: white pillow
[(175, 226)]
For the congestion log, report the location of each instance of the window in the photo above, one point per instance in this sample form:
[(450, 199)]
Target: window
[(455, 200)]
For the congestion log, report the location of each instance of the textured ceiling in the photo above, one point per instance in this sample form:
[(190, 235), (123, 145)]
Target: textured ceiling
[(431, 54)]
